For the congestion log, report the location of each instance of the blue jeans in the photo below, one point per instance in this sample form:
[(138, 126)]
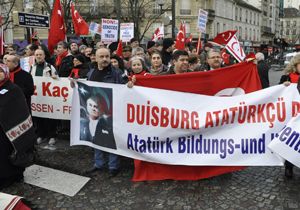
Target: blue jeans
[(113, 160)]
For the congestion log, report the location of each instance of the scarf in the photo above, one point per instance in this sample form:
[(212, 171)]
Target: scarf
[(294, 77), (12, 74), (60, 58), (4, 68), (74, 73), (158, 71)]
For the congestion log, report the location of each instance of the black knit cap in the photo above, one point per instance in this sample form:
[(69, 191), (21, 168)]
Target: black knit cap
[(113, 46), (150, 44), (168, 42), (80, 57)]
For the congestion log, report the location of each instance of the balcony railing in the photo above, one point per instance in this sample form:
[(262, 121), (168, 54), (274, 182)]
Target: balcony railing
[(185, 12)]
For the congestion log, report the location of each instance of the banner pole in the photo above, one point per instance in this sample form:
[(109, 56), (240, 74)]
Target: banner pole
[(199, 43)]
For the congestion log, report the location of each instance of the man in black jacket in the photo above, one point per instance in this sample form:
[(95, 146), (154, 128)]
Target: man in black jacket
[(20, 77), (64, 60), (105, 72), (263, 70)]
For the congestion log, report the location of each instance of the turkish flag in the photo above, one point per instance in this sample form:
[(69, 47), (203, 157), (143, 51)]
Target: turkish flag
[(228, 81), (57, 31), (180, 39), (224, 38), (79, 24), (119, 51), (188, 40), (225, 56)]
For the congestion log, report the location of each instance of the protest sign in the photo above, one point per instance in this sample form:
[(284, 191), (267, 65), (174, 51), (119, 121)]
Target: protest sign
[(202, 20), (109, 32), (287, 142), (153, 125), (126, 31), (27, 62), (52, 98)]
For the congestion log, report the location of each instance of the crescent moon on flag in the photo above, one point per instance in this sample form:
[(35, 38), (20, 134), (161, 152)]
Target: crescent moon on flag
[(62, 27), (75, 13)]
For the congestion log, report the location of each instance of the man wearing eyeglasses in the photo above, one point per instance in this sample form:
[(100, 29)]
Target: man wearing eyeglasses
[(214, 60)]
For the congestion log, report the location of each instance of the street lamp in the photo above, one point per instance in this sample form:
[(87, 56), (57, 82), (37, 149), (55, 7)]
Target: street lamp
[(161, 4)]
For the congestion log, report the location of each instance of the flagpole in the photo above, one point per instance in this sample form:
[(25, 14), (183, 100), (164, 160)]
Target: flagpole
[(199, 43)]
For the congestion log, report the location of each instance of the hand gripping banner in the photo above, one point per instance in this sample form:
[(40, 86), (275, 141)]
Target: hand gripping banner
[(154, 125)]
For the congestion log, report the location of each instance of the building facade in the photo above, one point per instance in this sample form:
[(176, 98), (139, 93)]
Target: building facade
[(290, 26), (270, 21)]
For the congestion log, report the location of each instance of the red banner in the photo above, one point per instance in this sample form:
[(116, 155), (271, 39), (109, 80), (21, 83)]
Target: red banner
[(237, 79)]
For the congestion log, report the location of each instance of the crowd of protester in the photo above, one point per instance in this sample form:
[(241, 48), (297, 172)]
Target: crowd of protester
[(81, 61)]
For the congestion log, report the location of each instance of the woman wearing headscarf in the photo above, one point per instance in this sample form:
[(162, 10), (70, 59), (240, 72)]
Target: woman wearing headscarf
[(16, 130)]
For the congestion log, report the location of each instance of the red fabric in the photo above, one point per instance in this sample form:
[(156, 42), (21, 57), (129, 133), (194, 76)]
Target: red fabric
[(243, 75), (119, 51), (224, 37), (188, 40), (294, 77), (59, 58), (12, 74), (21, 206), (74, 73), (79, 24), (250, 56), (180, 39), (225, 56), (57, 31)]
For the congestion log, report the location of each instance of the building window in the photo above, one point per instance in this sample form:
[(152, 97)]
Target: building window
[(295, 23), (185, 8), (187, 29), (224, 27), (236, 13), (240, 14), (240, 32), (250, 34), (287, 32), (294, 32), (246, 33), (246, 16), (288, 23), (218, 28), (253, 35)]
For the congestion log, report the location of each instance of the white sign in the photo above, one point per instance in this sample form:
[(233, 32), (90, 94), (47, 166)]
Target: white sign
[(126, 31), (287, 141), (52, 98), (27, 62), (109, 32), (234, 47), (202, 20), (153, 125), (95, 28)]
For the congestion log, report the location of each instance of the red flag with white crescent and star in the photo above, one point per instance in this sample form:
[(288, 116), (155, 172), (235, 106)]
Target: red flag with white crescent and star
[(79, 24), (57, 31), (180, 39), (224, 37)]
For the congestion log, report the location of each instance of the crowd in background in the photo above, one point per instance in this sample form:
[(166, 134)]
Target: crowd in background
[(81, 61)]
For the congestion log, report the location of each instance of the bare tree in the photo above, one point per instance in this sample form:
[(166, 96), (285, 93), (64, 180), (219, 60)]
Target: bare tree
[(65, 4), (140, 12), (5, 11)]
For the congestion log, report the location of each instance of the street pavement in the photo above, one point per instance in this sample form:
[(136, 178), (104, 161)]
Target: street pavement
[(252, 188)]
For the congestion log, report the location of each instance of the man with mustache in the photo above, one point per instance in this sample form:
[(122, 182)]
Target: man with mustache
[(105, 72)]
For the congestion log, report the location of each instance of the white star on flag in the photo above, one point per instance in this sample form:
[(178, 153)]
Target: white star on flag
[(83, 91), (79, 20)]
